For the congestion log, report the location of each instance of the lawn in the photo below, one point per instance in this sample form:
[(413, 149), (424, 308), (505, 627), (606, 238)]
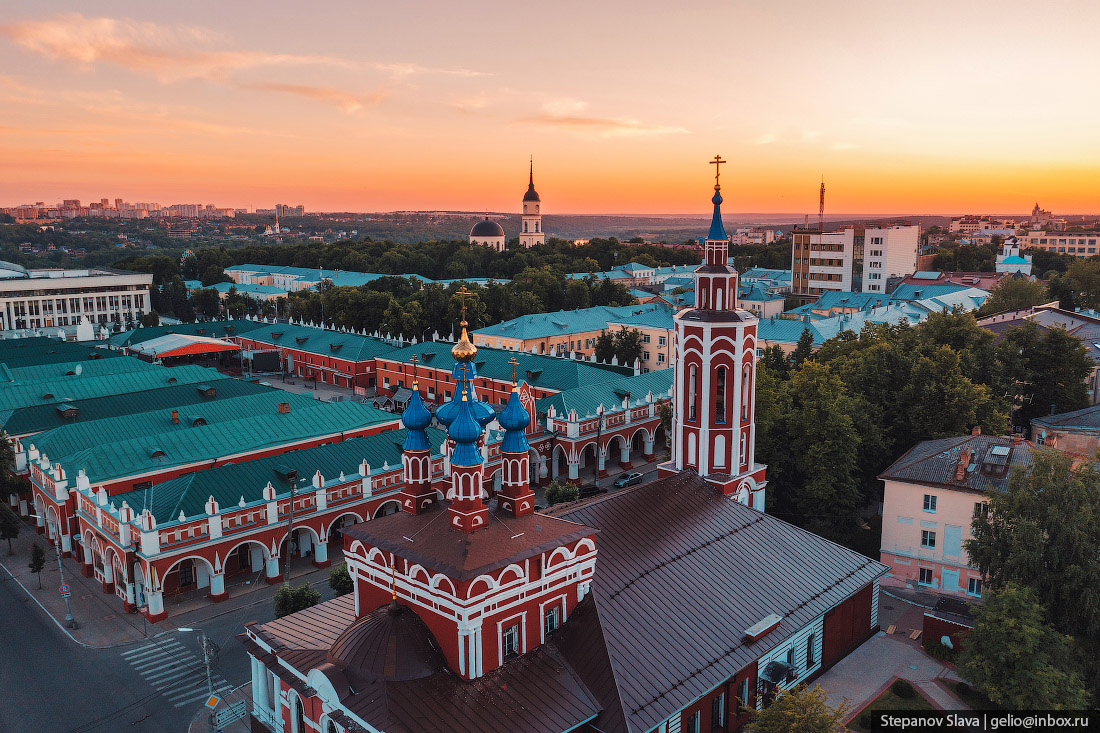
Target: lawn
[(890, 700), (966, 693)]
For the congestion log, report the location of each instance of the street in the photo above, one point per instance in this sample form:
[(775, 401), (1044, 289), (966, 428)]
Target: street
[(53, 684)]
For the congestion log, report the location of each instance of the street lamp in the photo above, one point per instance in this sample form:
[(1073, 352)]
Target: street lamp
[(209, 650), (599, 433), (69, 620)]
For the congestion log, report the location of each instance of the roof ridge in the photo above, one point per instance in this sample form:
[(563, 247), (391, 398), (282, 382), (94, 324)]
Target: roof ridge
[(962, 440)]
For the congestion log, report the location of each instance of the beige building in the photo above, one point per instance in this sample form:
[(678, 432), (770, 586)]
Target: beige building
[(822, 261), (1078, 244), (657, 328), (50, 298)]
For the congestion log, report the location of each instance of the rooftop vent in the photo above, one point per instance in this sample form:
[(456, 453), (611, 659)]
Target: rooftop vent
[(206, 390), (763, 626), (285, 472), (284, 408)]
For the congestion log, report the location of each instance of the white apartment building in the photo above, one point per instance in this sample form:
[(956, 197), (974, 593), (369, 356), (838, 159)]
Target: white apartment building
[(821, 261), (889, 252), (55, 297)]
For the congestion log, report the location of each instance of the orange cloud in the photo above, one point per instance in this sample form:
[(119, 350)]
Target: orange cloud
[(330, 95), (568, 114)]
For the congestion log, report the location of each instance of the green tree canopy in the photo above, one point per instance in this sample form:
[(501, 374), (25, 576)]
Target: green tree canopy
[(799, 710), (1013, 294), (291, 599), (339, 579)]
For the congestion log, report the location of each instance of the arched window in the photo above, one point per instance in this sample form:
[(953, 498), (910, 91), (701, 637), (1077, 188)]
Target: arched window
[(524, 227), (719, 451), (537, 227), (297, 716), (746, 391), (720, 395), (693, 376), (330, 727), (691, 449), (744, 449)]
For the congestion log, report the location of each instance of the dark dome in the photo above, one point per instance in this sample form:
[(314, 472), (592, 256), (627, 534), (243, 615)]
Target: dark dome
[(486, 228), (391, 643), (532, 194)]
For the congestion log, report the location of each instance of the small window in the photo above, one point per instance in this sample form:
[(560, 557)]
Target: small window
[(929, 503), (510, 641), (974, 586), (925, 576), (927, 539), (692, 725), (718, 711), (550, 620), (645, 338), (810, 651)]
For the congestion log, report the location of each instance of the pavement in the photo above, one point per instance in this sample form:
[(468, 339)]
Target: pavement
[(865, 673)]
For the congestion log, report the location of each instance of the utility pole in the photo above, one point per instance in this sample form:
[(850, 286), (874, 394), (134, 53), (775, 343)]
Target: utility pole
[(290, 530), (69, 620)]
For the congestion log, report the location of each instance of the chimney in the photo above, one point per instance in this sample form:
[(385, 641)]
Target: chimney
[(175, 417), (977, 430), (964, 462), (1017, 439), (284, 408)]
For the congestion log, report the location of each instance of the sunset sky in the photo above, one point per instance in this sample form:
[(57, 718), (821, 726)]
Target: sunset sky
[(914, 107)]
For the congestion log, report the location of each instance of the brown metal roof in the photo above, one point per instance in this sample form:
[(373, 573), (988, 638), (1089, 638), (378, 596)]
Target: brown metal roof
[(460, 555), (683, 571)]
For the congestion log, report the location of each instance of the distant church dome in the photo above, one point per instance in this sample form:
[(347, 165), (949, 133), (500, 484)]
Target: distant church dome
[(487, 228), (532, 194)]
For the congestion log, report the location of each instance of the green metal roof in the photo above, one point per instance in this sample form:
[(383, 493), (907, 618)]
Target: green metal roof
[(69, 439), (543, 325), (657, 318), (547, 372), (37, 418), (585, 400), (230, 483), (213, 329), (86, 368), (67, 389), (136, 456), (23, 352), (324, 342)]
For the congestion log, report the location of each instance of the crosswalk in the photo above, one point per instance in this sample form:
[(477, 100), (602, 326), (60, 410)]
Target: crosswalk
[(174, 670)]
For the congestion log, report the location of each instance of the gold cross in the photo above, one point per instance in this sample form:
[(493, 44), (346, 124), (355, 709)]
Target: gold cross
[(462, 293), (717, 162), (414, 361), (514, 364)]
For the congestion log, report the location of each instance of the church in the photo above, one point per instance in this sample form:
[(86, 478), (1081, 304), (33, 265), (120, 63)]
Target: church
[(491, 234), (675, 606)]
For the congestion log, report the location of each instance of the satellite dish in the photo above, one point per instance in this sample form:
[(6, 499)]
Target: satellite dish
[(79, 369)]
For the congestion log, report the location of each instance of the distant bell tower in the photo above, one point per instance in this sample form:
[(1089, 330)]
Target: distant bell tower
[(530, 227), (714, 404)]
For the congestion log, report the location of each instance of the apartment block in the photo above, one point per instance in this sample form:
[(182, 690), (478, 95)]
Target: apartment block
[(888, 252), (822, 261), (54, 297)]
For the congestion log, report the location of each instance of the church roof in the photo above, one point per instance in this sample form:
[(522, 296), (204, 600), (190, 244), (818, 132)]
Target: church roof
[(678, 543), (487, 228)]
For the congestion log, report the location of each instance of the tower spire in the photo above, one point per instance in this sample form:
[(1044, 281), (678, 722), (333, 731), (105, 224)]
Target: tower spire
[(717, 230), (531, 179)]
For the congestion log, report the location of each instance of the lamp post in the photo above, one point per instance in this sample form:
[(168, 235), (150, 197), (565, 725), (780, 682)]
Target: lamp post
[(599, 434), (209, 650), (69, 620)]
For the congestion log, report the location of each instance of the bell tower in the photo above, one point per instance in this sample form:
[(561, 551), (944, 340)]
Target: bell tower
[(530, 226), (713, 422)]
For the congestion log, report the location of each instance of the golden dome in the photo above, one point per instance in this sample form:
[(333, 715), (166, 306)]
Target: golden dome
[(464, 350)]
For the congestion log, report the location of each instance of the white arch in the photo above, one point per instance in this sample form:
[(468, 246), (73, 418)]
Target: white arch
[(584, 544), (378, 511), (490, 585), (300, 528), (263, 547), (645, 434), (422, 571), (438, 581), (337, 518), (377, 557), (513, 568), (560, 551), (173, 566)]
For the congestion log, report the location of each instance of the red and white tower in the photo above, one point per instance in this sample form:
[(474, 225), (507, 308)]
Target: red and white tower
[(713, 423), (417, 495)]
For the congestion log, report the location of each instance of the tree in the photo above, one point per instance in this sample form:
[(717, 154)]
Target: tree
[(1013, 294), (804, 349), (150, 319), (799, 710), (1049, 366), (38, 561), (776, 361), (1019, 660), (9, 523), (1084, 279), (339, 579), (559, 493), (290, 599), (206, 301), (605, 347), (628, 346)]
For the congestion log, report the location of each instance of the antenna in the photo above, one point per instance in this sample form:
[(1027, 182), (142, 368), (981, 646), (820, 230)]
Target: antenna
[(821, 214)]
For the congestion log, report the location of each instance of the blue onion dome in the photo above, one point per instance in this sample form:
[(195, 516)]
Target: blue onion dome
[(465, 432), (717, 230), (514, 419), (416, 418)]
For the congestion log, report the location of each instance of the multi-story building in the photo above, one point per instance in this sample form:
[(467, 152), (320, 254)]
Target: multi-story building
[(932, 494), (1076, 432), (1078, 244), (822, 261), (54, 297), (888, 252), (471, 616), (657, 328), (561, 333)]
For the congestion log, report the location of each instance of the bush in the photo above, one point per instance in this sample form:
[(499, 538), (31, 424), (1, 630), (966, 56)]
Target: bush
[(903, 689), (339, 579), (289, 599), (962, 688), (937, 650), (557, 493)]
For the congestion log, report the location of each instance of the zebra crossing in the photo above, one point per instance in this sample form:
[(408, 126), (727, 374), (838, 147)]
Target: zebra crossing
[(175, 671)]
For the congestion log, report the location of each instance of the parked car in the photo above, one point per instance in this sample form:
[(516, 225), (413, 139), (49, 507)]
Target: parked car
[(628, 479)]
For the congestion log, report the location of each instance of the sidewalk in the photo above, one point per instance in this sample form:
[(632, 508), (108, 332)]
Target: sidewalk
[(101, 621)]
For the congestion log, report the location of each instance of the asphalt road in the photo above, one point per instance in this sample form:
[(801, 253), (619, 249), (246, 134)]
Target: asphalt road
[(50, 683)]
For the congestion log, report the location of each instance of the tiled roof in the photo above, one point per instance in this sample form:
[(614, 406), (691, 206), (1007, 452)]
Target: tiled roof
[(37, 418), (935, 462), (547, 372), (543, 325), (682, 571), (1086, 419), (787, 331), (68, 439), (656, 318), (321, 341), (229, 483), (137, 456), (536, 693), (214, 329), (610, 394), (65, 389)]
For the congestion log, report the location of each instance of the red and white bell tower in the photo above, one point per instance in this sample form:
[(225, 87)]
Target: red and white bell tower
[(713, 421)]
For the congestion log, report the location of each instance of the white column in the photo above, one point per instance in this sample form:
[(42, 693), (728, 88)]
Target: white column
[(600, 459), (39, 519), (130, 595), (574, 469), (320, 552), (259, 685), (155, 602), (66, 543), (272, 567), (217, 584), (624, 453), (108, 572), (647, 445), (87, 554)]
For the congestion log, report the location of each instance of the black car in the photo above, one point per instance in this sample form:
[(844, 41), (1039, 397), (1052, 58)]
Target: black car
[(628, 479)]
